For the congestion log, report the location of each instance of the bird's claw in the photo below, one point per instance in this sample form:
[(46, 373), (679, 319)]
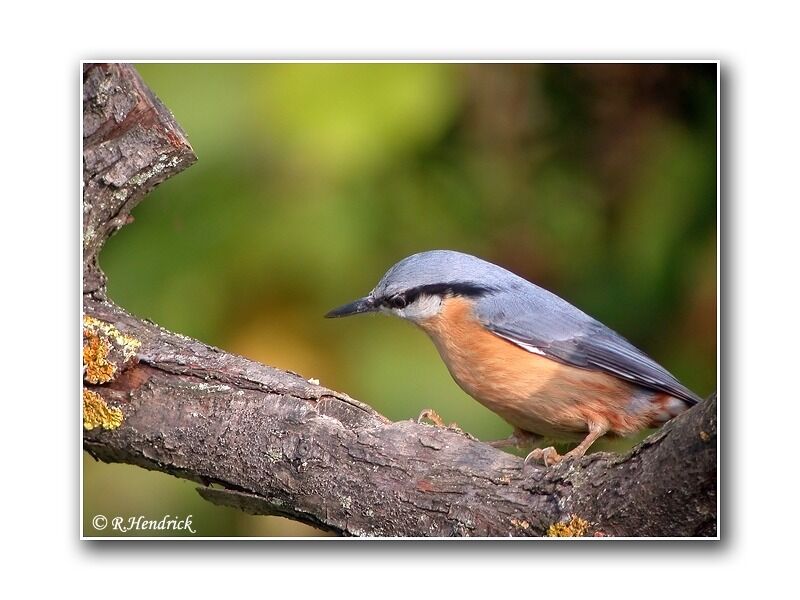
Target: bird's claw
[(432, 416), (547, 456)]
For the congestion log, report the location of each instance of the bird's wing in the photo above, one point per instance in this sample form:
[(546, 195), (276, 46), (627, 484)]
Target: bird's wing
[(545, 324)]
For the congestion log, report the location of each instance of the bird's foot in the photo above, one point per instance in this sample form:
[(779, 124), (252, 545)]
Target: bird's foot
[(547, 456), (431, 415)]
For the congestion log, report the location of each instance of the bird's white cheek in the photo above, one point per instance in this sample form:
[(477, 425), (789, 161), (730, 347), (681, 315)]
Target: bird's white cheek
[(423, 308)]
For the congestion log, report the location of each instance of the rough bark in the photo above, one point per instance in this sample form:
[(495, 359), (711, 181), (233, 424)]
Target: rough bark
[(267, 441)]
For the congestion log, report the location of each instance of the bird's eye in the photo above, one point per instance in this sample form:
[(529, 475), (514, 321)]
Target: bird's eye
[(398, 301)]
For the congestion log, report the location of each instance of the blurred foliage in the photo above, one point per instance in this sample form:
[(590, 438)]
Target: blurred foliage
[(596, 181)]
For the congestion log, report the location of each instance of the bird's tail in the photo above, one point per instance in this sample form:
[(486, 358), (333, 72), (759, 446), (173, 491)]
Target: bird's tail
[(669, 407)]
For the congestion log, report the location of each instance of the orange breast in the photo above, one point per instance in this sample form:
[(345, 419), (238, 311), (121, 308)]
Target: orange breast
[(530, 391)]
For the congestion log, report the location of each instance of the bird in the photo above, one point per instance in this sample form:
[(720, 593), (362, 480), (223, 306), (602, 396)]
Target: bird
[(546, 367)]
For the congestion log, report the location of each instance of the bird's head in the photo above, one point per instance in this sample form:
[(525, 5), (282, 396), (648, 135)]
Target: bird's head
[(416, 287)]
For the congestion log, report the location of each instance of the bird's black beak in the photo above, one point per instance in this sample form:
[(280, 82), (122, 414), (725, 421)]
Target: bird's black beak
[(362, 305)]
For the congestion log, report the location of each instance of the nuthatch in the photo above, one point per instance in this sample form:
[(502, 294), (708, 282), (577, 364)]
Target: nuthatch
[(543, 365)]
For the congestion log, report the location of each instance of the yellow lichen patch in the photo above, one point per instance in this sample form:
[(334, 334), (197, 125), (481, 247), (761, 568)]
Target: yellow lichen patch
[(98, 369), (100, 339), (575, 527), (96, 413), (128, 344)]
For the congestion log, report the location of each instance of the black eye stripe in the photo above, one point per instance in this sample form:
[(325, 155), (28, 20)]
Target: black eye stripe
[(470, 290), (452, 289)]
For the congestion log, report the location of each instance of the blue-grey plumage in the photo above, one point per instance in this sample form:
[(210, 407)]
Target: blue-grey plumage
[(448, 292)]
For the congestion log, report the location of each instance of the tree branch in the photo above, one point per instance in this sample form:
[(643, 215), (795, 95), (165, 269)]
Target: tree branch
[(269, 442)]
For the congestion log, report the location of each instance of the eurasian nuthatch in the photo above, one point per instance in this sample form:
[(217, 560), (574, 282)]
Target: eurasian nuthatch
[(543, 365)]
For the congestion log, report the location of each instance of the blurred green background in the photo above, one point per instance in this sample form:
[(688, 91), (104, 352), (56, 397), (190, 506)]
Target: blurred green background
[(596, 181)]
